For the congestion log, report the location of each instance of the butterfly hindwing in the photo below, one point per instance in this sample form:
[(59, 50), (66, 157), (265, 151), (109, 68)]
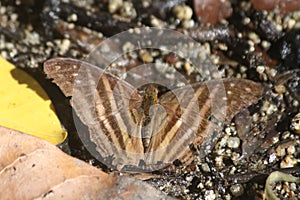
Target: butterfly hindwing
[(195, 113)]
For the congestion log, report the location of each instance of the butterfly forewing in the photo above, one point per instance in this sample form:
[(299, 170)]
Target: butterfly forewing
[(104, 103), (113, 111), (63, 71)]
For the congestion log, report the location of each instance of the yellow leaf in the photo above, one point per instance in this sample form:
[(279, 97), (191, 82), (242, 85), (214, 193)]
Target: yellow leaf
[(25, 106)]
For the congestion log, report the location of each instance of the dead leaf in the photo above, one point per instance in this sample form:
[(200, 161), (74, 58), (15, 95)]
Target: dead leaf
[(31, 168), (212, 11), (25, 106)]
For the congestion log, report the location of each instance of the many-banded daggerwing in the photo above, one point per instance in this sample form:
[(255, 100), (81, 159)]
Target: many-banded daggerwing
[(146, 131)]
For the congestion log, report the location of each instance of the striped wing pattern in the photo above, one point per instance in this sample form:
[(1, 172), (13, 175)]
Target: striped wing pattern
[(110, 107), (217, 100)]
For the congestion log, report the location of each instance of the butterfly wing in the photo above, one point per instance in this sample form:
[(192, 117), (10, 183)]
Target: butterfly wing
[(63, 71), (195, 113), (105, 104), (109, 107)]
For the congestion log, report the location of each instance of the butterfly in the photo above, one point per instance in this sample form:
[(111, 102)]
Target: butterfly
[(147, 131)]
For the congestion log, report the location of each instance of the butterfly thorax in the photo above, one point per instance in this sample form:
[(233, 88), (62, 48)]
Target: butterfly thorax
[(143, 115), (149, 99)]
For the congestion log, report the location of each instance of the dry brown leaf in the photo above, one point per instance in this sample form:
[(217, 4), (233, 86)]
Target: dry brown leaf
[(31, 168), (212, 11)]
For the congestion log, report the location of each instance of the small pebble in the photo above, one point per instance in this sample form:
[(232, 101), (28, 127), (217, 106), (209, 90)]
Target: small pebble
[(210, 195), (188, 68), (189, 178), (146, 57), (285, 135), (293, 187), (235, 158), (246, 20), (183, 12), (114, 5), (14, 17), (265, 44), (228, 130), (223, 47), (273, 72), (200, 185), (233, 142), (288, 162), (205, 167), (128, 46), (295, 124), (269, 108), (280, 89), (237, 190), (260, 69), (64, 47), (272, 158), (32, 37), (72, 18), (295, 103), (263, 77), (188, 23), (219, 161), (2, 10), (128, 10), (223, 141), (291, 23), (254, 37), (156, 22), (291, 150), (233, 170), (280, 152)]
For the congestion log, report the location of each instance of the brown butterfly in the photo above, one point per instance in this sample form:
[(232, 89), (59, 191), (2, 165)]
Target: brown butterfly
[(145, 131)]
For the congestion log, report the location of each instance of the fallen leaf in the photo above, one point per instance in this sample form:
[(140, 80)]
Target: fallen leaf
[(25, 106), (277, 177), (212, 11), (31, 168)]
